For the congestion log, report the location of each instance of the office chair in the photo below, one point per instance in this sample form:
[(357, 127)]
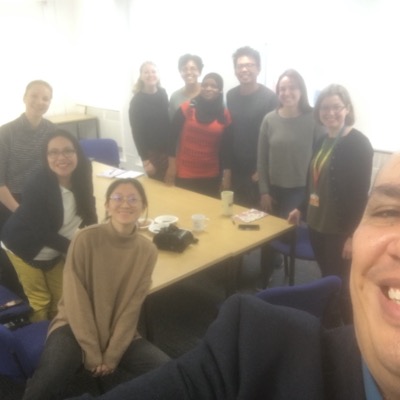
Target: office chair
[(14, 311), (303, 250), (315, 297), (20, 349), (102, 150)]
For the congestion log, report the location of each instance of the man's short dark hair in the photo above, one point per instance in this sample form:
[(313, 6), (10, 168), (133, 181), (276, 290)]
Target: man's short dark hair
[(247, 51), (190, 57)]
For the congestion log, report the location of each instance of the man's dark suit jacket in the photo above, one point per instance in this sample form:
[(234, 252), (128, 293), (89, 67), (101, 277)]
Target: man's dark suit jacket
[(255, 350)]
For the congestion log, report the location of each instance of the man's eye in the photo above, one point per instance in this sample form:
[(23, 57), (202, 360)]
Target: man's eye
[(386, 213)]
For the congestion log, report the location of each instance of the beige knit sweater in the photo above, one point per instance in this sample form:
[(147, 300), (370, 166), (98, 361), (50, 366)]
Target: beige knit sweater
[(107, 276)]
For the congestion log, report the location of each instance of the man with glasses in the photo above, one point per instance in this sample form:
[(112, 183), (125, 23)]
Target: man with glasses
[(248, 103)]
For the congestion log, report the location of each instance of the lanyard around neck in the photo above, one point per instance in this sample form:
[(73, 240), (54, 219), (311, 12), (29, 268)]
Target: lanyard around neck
[(321, 158)]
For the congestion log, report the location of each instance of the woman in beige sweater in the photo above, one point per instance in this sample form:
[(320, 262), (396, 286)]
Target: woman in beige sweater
[(106, 279)]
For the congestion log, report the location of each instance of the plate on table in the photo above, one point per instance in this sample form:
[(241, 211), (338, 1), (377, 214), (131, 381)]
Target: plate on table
[(144, 223), (155, 227), (166, 219)]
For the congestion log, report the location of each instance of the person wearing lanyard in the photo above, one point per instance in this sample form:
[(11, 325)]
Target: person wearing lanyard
[(339, 180)]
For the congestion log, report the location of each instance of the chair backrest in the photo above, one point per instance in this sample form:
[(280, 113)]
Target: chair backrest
[(314, 297), (102, 150), (9, 312), (20, 349)]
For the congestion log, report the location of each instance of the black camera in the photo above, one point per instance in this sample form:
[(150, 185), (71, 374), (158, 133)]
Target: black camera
[(174, 239)]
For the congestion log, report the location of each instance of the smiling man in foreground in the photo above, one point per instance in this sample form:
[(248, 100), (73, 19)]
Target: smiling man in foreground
[(258, 351)]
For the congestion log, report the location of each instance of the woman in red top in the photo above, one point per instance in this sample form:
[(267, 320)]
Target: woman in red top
[(200, 145)]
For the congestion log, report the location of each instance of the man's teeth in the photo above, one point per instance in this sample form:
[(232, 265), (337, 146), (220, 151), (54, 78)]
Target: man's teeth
[(394, 294)]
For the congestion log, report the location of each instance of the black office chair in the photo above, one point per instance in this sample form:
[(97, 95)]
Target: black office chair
[(102, 150)]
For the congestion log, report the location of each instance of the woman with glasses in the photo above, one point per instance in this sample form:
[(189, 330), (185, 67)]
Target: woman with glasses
[(55, 203), (201, 141), (339, 180), (285, 147), (107, 276), (148, 117)]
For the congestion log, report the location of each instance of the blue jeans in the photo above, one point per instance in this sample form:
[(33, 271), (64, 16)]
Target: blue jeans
[(62, 359), (287, 199)]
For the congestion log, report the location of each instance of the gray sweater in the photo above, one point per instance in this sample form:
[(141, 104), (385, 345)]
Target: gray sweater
[(285, 148)]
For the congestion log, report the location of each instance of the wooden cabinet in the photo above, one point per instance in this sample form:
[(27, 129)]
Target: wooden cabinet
[(82, 126)]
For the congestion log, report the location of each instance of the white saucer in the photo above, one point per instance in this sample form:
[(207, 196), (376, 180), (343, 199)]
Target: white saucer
[(155, 227), (166, 219)]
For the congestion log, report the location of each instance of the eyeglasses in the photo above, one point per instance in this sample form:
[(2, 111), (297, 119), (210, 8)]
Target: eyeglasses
[(119, 199), (67, 153), (247, 66), (189, 69), (336, 108)]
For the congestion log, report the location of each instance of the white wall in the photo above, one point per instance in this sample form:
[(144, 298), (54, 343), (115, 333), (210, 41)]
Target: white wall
[(90, 50)]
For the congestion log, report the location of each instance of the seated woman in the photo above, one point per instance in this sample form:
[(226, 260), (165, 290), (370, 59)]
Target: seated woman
[(106, 279), (200, 145), (55, 203)]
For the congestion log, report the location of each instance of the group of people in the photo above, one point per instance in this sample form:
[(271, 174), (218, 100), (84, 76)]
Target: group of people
[(273, 150), (89, 279), (196, 142)]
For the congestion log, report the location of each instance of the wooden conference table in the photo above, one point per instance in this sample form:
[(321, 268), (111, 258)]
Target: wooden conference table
[(221, 240)]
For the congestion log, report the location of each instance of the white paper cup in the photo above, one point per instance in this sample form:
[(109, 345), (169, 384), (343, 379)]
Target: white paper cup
[(199, 222), (227, 203)]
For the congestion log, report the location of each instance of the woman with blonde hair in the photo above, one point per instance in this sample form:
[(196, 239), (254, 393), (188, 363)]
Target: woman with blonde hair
[(148, 117)]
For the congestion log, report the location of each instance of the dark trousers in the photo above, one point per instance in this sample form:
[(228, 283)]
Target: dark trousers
[(8, 276), (206, 186), (328, 254), (246, 192), (62, 359)]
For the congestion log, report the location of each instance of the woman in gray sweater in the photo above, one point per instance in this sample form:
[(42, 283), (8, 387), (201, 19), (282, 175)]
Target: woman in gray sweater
[(286, 143)]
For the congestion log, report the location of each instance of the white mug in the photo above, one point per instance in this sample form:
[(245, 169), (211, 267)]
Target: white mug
[(227, 202), (199, 222)]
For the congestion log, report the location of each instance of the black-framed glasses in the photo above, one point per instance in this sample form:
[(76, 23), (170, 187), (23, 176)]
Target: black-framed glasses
[(336, 108), (119, 199), (67, 153), (246, 65)]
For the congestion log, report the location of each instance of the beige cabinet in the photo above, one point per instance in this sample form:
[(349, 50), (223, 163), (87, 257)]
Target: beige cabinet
[(82, 126)]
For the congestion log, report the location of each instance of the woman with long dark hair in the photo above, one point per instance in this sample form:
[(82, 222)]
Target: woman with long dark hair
[(200, 146), (55, 203), (285, 146)]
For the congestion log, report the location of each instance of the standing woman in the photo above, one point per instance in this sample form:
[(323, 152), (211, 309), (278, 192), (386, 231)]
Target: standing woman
[(200, 146), (285, 147), (148, 116), (56, 201), (339, 180), (190, 68), (21, 143), (106, 279)]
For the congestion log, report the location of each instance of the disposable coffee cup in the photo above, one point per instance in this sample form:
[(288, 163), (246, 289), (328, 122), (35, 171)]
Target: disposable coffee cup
[(227, 203), (199, 222)]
